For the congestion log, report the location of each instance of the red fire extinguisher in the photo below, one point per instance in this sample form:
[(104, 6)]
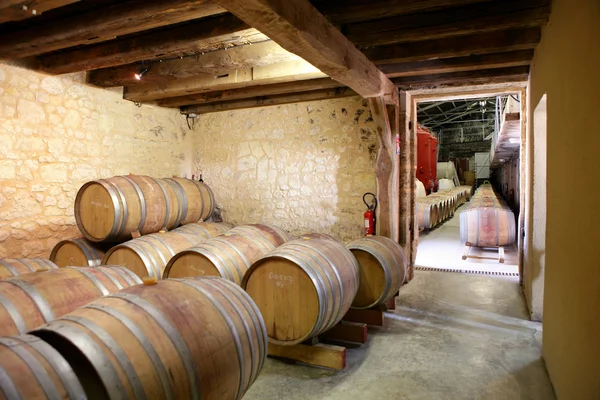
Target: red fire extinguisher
[(370, 219)]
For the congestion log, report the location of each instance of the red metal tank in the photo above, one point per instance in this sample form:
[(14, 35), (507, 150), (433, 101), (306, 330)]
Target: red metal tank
[(426, 159)]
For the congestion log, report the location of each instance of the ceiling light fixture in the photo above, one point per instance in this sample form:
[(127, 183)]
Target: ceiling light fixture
[(143, 71)]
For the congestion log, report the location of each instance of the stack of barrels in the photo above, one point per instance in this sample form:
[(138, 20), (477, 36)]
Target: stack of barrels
[(488, 221), (434, 209)]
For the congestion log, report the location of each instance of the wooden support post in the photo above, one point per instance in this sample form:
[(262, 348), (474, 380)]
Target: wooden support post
[(391, 303), (345, 331), (371, 317), (321, 355)]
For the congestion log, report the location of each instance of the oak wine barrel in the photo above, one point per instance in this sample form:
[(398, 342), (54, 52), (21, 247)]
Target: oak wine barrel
[(148, 255), (32, 369), (10, 267), (31, 300), (487, 227), (205, 229), (382, 266), (228, 256), (303, 288), (273, 234), (178, 338), (110, 210), (427, 214), (78, 252), (315, 235)]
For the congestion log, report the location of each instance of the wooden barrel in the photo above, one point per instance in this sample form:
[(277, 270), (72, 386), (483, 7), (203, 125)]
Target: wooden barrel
[(487, 227), (179, 338), (77, 252), (382, 266), (273, 234), (32, 369), (318, 236), (31, 300), (427, 215), (206, 229), (196, 199), (303, 288), (148, 255), (228, 256), (10, 267)]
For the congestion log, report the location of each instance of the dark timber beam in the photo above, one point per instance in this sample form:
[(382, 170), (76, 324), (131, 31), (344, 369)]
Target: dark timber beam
[(299, 28), (472, 19), (99, 26), (468, 63), (365, 10), (194, 37), (324, 94), (17, 10), (458, 46), (500, 75), (251, 91), (215, 62)]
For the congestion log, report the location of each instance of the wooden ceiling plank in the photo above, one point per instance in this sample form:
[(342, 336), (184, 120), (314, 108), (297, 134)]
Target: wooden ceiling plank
[(268, 74), (324, 94), (251, 91), (299, 28), (464, 78), (457, 46), (468, 63), (170, 42), (99, 26), (215, 62), (366, 10), (17, 10), (477, 18)]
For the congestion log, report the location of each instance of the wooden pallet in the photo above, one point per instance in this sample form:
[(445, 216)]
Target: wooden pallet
[(500, 257)]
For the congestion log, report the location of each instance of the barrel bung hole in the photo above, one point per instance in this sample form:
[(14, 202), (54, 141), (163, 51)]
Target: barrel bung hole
[(84, 370)]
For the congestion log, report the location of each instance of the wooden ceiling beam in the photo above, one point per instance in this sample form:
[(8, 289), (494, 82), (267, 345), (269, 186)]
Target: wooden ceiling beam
[(106, 24), (468, 63), (457, 46), (215, 62), (233, 79), (189, 38), (365, 10), (299, 28), (17, 10), (251, 91), (465, 78), (475, 18), (324, 94)]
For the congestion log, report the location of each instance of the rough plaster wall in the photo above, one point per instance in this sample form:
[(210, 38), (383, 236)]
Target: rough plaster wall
[(57, 133), (565, 68), (303, 167)]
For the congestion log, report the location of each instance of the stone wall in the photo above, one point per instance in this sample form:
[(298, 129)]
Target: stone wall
[(57, 133), (303, 167)]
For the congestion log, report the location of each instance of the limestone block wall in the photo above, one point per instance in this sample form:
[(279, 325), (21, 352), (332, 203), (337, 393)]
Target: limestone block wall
[(57, 133), (303, 167)]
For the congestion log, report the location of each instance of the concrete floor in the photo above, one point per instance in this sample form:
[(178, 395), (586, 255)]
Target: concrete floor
[(453, 336), (441, 248)]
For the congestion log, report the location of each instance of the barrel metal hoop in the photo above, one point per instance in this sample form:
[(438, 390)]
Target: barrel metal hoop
[(9, 267), (118, 198), (199, 186), (34, 365), (388, 284), (49, 263), (229, 322), (236, 250), (86, 252), (167, 203), (142, 199), (149, 262), (115, 282), (26, 262), (62, 368), (36, 297), (14, 313), (172, 333), (7, 386), (218, 261), (182, 196), (93, 352), (337, 275), (167, 245), (103, 290), (235, 291), (250, 230), (127, 277), (144, 342)]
